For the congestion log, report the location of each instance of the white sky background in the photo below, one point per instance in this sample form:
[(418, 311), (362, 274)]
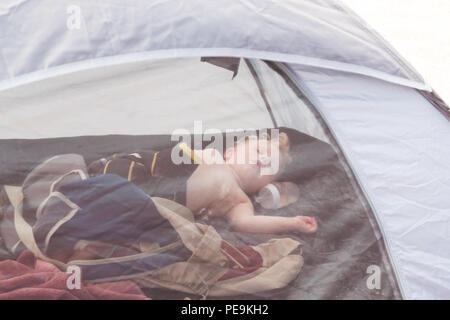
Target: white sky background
[(419, 30)]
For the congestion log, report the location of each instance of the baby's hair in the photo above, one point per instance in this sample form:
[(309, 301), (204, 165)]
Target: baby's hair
[(285, 144)]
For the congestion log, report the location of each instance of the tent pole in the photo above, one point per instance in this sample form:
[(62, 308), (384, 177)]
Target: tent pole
[(261, 91)]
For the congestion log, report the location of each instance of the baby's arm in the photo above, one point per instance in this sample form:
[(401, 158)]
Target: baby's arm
[(242, 218)]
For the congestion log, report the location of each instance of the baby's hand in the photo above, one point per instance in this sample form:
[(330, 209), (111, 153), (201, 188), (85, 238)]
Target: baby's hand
[(305, 224)]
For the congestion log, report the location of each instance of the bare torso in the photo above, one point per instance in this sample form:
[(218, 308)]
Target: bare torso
[(213, 187)]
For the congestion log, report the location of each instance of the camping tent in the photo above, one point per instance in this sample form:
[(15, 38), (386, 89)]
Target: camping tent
[(84, 78)]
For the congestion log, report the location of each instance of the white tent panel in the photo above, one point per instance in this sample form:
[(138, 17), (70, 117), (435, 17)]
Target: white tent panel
[(46, 34), (398, 144), (155, 97)]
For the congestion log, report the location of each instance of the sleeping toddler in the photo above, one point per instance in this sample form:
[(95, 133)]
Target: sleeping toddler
[(211, 183)]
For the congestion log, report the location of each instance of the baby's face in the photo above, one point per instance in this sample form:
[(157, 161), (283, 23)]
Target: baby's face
[(252, 160)]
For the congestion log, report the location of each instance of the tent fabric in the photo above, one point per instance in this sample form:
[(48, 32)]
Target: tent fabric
[(398, 145), (320, 33)]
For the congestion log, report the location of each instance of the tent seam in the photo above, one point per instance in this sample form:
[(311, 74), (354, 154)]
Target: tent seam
[(198, 52)]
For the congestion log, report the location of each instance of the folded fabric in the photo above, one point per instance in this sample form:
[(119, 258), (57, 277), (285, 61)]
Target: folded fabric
[(28, 278), (113, 231)]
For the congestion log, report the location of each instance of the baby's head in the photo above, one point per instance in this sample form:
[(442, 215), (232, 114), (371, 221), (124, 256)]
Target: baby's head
[(258, 161)]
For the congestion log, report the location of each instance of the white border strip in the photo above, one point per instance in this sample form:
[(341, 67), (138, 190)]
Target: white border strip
[(206, 52)]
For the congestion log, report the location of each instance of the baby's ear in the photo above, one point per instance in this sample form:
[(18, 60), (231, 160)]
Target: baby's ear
[(284, 142)]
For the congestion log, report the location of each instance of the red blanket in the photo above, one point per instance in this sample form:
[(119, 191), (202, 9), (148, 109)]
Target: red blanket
[(31, 278)]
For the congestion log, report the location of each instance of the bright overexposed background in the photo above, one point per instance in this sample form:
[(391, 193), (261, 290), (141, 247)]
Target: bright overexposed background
[(419, 30)]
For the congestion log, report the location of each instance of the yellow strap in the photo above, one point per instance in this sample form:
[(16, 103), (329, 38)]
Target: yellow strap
[(190, 152), (130, 171), (106, 166), (153, 163)]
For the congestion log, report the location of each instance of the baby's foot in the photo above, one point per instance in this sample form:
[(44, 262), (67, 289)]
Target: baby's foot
[(306, 224)]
